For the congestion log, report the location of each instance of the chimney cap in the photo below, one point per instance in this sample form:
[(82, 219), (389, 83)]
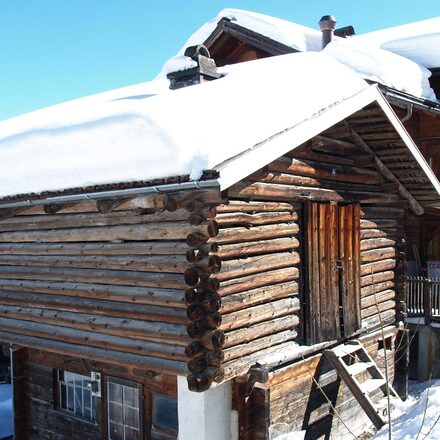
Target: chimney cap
[(327, 22)]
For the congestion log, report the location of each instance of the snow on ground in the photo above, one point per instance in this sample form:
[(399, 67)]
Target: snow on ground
[(5, 411), (129, 135), (418, 414)]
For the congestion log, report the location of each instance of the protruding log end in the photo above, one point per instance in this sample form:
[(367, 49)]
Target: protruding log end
[(194, 349), (199, 382), (196, 239), (213, 339), (194, 276)]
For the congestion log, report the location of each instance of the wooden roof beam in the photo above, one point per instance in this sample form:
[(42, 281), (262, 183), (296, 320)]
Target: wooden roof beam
[(413, 203)]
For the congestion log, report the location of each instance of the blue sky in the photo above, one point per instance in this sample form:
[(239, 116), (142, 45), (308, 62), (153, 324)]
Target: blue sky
[(56, 50)]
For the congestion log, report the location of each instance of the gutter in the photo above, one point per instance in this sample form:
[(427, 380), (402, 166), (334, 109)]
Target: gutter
[(129, 192), (398, 97)]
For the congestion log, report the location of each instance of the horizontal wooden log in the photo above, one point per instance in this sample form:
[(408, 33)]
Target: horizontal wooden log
[(199, 382), (325, 171), (259, 344), (142, 329), (119, 277), (94, 306), (269, 357), (256, 331), (62, 221), (96, 354), (331, 144), (238, 235), (237, 250), (100, 248), (377, 243), (151, 231), (253, 206), (276, 191), (93, 339), (377, 266), (378, 297), (376, 288), (378, 223), (247, 266), (249, 298), (292, 179), (168, 263), (138, 294), (258, 219), (381, 212), (259, 280), (377, 254), (377, 233), (387, 317), (260, 313), (375, 309), (376, 278), (315, 154)]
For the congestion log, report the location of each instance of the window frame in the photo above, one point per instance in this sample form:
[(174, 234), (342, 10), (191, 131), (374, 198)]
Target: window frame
[(59, 406), (128, 384)]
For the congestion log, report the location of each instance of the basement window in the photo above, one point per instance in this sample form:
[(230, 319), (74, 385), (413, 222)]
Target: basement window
[(75, 395), (124, 410), (164, 418)]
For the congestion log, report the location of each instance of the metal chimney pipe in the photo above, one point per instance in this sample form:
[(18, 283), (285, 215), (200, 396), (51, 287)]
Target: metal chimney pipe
[(327, 24)]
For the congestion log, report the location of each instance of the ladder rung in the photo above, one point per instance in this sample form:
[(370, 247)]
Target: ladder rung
[(371, 384), (344, 350), (358, 367)]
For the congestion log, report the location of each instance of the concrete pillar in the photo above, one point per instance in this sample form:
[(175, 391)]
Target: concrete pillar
[(207, 415)]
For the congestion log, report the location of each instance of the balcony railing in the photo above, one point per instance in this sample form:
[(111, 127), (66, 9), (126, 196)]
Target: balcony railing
[(424, 298)]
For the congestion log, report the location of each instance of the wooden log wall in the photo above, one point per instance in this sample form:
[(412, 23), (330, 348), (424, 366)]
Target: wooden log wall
[(36, 390), (245, 281), (101, 280), (242, 286)]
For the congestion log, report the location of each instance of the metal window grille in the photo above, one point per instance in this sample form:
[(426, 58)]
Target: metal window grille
[(123, 410), (75, 395)]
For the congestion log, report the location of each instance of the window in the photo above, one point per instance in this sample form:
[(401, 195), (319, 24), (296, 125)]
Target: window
[(124, 410), (75, 395), (332, 300), (164, 417)]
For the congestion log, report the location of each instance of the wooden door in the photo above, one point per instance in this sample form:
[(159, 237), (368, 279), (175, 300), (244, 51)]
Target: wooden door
[(332, 263)]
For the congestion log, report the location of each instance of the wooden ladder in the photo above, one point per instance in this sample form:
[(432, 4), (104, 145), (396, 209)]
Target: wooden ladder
[(350, 360)]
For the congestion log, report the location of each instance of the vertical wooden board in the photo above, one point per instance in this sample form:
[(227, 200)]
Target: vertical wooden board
[(313, 317), (323, 270), (334, 273), (357, 264), (349, 236)]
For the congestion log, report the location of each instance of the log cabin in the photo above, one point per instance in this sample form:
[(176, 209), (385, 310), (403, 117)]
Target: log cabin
[(203, 270)]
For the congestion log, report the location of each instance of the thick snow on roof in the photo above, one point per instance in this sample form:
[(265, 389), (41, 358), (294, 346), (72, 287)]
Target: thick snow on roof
[(129, 135), (384, 67), (418, 41), (296, 36), (370, 55)]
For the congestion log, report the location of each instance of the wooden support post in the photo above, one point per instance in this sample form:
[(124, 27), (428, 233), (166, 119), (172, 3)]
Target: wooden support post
[(427, 306)]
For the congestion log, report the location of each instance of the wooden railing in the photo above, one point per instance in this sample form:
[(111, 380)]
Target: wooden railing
[(424, 298)]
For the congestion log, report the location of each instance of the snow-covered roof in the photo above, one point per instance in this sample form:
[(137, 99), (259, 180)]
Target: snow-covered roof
[(418, 41), (236, 124), (296, 36), (374, 56), (384, 67), (147, 131)]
